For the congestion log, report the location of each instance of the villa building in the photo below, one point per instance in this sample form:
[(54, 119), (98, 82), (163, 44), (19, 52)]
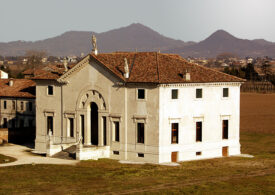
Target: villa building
[(137, 106)]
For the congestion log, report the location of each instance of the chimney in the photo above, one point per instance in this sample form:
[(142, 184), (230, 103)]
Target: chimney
[(11, 83), (126, 68), (65, 63), (187, 75), (94, 51)]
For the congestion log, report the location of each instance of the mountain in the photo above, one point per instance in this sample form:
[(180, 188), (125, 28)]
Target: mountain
[(139, 37), (130, 38), (221, 42)]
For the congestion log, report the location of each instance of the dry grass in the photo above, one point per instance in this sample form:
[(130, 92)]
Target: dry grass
[(258, 112), (216, 176)]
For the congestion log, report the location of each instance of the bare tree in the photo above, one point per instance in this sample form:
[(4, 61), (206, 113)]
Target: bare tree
[(34, 58)]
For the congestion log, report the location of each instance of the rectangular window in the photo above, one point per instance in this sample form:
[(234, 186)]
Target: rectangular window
[(22, 105), (198, 131), (30, 106), (21, 123), (30, 121), (5, 104), (174, 94), (141, 94), (225, 129), (71, 127), (13, 105), (198, 153), (116, 152), (175, 133), (141, 155), (104, 130), (50, 90), (225, 92), (82, 128), (5, 124), (140, 133), (49, 125), (198, 93), (116, 126)]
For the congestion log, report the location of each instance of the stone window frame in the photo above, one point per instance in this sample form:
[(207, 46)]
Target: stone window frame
[(225, 117), (198, 119), (115, 118), (140, 119), (67, 116), (51, 113), (179, 121)]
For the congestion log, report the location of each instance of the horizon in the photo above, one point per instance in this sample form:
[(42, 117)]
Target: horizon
[(184, 20), (136, 23)]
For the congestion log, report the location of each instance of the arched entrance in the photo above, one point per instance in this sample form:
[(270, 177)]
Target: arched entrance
[(94, 124)]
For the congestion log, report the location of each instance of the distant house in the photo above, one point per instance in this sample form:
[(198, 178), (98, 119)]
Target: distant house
[(3, 75), (17, 107), (138, 106)]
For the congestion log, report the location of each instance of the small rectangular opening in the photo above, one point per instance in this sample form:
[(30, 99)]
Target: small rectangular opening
[(198, 153), (174, 94), (198, 93), (140, 133), (141, 94), (198, 131), (225, 129), (116, 152), (225, 92), (50, 90), (141, 155)]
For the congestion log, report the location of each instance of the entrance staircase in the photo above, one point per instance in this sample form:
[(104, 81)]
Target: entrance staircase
[(68, 153)]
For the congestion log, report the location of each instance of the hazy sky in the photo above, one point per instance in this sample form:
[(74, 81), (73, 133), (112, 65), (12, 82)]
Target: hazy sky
[(188, 20)]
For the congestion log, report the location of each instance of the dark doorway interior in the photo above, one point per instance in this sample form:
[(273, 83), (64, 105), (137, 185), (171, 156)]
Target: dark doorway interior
[(94, 124)]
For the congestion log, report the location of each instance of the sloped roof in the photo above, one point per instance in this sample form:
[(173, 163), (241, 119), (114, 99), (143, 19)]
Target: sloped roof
[(153, 67), (23, 88), (150, 67)]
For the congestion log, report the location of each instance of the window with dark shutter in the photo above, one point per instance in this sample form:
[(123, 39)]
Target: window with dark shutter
[(141, 94), (225, 92), (225, 129), (175, 133), (116, 124), (198, 93), (198, 131), (50, 90), (140, 133), (174, 94)]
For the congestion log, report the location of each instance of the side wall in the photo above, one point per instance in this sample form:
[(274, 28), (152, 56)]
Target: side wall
[(211, 109)]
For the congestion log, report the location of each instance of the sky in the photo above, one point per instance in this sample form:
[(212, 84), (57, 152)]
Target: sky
[(187, 20)]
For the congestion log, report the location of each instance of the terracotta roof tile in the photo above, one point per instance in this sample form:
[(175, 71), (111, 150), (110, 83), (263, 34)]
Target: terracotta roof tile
[(148, 67), (23, 88)]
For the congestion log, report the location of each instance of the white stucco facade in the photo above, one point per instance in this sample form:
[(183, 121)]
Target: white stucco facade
[(89, 84)]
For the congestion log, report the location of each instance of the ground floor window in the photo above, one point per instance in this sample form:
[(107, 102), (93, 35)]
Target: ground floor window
[(175, 133), (71, 127), (116, 131), (49, 125), (225, 129), (5, 123), (140, 133), (198, 131)]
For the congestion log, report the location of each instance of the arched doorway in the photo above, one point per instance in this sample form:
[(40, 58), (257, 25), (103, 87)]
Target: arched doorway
[(94, 124)]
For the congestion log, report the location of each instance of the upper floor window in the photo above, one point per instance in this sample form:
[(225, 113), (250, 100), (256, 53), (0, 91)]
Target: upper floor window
[(198, 93), (5, 104), (175, 133), (174, 94), (140, 133), (50, 90), (141, 94), (225, 92)]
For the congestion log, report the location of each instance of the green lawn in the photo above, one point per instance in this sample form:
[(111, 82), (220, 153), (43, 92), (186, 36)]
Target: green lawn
[(216, 176)]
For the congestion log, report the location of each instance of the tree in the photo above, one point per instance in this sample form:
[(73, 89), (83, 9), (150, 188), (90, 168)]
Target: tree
[(34, 58), (266, 69)]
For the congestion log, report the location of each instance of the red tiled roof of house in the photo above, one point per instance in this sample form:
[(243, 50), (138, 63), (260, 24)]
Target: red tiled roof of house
[(23, 88), (149, 67), (153, 67)]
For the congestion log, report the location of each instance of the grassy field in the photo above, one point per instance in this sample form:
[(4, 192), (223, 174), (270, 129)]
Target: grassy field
[(232, 175)]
